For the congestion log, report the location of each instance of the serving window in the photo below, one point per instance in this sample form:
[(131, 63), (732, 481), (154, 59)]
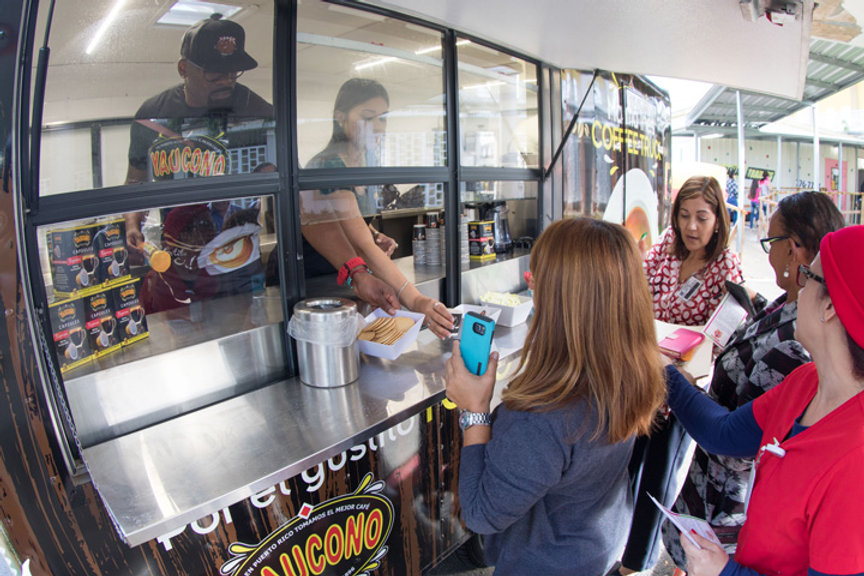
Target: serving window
[(498, 108), (205, 271), (101, 126), (370, 90)]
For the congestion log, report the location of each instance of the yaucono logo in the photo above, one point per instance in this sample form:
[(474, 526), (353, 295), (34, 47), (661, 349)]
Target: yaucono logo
[(344, 535)]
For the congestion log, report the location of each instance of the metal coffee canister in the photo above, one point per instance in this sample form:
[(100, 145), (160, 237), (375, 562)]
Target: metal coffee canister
[(326, 333)]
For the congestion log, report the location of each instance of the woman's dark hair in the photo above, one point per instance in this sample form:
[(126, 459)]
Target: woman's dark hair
[(353, 92), (807, 217), (707, 188), (731, 171), (754, 185)]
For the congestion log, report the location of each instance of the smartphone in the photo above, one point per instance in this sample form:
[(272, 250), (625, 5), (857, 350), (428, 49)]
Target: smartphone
[(475, 344)]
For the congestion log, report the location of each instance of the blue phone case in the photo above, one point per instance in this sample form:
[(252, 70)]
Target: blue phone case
[(475, 344)]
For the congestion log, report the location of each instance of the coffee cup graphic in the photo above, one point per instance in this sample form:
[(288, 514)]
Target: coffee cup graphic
[(88, 267), (108, 324), (136, 315), (117, 264), (76, 340)]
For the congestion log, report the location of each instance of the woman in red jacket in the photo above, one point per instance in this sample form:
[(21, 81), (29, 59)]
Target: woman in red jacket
[(807, 435)]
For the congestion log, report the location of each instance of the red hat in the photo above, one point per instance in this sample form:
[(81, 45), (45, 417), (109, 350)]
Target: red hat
[(844, 277)]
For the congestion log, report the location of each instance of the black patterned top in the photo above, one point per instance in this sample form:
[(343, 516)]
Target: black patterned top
[(758, 358)]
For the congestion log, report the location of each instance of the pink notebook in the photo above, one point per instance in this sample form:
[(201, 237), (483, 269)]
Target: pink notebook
[(680, 343)]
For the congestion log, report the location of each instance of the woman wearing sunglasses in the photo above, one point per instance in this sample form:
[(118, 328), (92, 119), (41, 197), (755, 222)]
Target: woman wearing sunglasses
[(806, 434), (757, 358)]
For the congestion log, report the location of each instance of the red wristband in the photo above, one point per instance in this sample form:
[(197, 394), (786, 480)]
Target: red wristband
[(345, 270)]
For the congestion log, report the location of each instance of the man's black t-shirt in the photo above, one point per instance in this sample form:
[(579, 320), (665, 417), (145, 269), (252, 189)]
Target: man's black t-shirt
[(171, 139)]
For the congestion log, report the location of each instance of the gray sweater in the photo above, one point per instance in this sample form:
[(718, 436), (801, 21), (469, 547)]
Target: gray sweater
[(549, 500)]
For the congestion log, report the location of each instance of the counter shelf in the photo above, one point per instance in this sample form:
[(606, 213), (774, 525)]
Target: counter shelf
[(160, 478), (177, 428)]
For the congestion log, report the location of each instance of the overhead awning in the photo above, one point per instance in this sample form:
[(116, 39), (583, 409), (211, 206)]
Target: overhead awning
[(706, 40), (833, 66)]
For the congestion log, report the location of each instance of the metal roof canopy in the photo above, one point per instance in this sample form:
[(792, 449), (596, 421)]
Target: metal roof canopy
[(705, 40), (832, 67)]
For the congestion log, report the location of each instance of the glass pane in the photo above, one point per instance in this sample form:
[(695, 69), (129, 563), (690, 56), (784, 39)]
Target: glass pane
[(497, 108), (500, 218), (124, 103), (587, 192), (206, 270), (370, 90), (622, 139), (335, 228)]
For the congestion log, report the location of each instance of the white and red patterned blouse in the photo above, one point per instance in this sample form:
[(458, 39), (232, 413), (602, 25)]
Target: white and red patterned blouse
[(662, 269)]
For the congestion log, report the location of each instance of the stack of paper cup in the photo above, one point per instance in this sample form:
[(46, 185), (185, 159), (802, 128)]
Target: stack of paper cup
[(418, 244), (464, 254), (433, 239)]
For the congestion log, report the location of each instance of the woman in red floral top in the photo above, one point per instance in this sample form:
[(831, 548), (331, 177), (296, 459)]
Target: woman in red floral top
[(687, 268), (686, 271)]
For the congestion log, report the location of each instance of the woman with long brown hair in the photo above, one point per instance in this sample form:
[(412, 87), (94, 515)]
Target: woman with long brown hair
[(545, 479)]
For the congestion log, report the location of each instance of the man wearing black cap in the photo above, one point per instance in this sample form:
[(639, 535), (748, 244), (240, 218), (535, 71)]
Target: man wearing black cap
[(180, 132), (212, 57)]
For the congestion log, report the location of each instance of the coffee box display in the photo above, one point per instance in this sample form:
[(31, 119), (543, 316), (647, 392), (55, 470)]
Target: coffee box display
[(109, 243), (479, 229), (100, 322), (74, 265), (481, 249), (69, 333), (131, 321)]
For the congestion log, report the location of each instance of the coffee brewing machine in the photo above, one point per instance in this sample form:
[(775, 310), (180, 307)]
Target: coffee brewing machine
[(496, 211)]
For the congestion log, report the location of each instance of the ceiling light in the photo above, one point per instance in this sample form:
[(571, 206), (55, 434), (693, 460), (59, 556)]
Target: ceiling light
[(185, 12), (356, 13), (376, 62), (106, 23), (438, 47)]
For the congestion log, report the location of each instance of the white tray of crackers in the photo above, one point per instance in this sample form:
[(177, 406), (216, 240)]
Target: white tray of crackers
[(386, 336)]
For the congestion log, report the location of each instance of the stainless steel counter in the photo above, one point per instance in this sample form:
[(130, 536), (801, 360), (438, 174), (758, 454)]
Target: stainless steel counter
[(160, 478)]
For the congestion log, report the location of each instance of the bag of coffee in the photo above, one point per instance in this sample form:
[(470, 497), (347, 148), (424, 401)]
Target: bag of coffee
[(109, 242), (69, 334), (131, 321), (73, 260), (100, 323)]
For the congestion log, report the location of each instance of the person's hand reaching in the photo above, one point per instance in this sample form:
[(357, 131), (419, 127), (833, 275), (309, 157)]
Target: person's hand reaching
[(376, 292), (387, 244)]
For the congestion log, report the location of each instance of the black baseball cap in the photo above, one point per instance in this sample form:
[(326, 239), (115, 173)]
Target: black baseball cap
[(217, 45)]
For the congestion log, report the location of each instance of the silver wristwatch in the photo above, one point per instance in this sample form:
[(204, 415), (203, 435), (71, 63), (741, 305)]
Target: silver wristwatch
[(468, 419)]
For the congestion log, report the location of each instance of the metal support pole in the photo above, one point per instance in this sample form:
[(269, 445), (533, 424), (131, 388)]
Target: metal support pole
[(816, 179), (797, 164), (779, 171), (742, 171), (840, 187)]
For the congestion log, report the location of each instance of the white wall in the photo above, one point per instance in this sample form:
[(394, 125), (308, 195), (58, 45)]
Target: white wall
[(796, 158)]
